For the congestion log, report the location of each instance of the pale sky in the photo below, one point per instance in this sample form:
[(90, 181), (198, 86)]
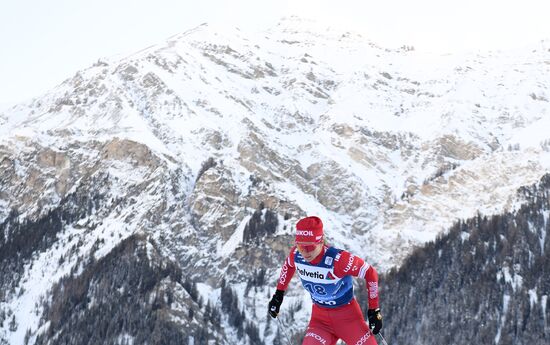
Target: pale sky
[(44, 42)]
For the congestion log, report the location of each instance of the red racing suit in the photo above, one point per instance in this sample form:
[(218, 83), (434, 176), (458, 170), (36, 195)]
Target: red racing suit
[(335, 312)]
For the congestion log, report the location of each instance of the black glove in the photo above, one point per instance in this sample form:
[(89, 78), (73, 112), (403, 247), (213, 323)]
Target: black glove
[(375, 320), (275, 303)]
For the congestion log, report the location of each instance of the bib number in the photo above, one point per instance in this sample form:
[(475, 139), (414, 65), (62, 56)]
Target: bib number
[(315, 289), (318, 290)]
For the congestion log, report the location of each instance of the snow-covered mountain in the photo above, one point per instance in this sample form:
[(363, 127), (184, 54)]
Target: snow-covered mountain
[(206, 149)]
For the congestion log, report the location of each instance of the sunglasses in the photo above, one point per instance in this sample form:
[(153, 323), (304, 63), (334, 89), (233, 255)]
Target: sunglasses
[(307, 247)]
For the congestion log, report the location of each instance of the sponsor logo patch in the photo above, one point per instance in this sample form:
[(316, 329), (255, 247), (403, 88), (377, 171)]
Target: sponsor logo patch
[(316, 337), (284, 272), (363, 339), (373, 289), (350, 263), (314, 274)]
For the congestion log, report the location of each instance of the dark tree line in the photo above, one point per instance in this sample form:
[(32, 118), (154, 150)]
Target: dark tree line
[(263, 223), (484, 282), (257, 280), (121, 294), (20, 239), (236, 317)]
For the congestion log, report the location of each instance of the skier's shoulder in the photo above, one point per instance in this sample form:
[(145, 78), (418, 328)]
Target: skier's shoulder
[(339, 254), (344, 259), (330, 250)]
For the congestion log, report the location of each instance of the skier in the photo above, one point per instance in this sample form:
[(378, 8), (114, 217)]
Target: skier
[(326, 272)]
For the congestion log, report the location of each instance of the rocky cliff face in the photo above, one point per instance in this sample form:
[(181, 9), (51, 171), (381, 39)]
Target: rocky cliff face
[(209, 148)]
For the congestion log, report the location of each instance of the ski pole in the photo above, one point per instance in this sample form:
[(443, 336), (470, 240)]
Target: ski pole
[(283, 327), (384, 342)]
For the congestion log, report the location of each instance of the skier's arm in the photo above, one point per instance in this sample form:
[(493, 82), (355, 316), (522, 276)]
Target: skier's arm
[(284, 279), (287, 271), (371, 276), (347, 264)]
